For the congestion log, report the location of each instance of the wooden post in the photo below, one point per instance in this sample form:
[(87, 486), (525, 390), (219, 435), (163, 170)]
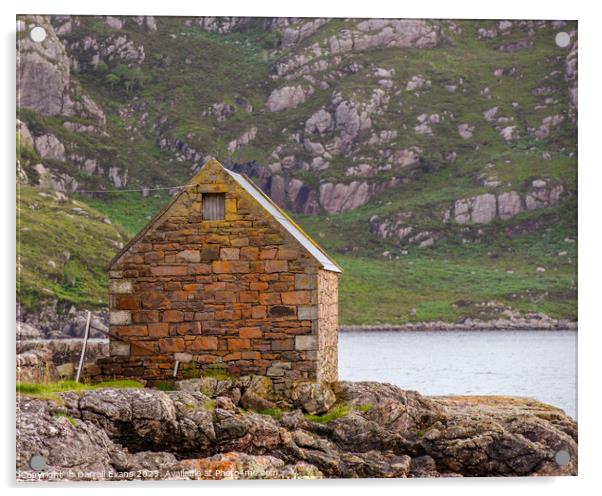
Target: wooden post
[(81, 357)]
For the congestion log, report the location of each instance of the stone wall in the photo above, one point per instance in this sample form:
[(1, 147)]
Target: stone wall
[(328, 325), (239, 293)]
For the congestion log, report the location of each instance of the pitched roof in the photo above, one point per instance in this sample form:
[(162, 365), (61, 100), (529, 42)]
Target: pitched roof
[(260, 197), (285, 221)]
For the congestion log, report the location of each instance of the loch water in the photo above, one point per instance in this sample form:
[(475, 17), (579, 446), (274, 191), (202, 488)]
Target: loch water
[(536, 364)]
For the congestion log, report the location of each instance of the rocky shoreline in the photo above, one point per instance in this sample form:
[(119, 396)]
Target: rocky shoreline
[(532, 324), (238, 428)]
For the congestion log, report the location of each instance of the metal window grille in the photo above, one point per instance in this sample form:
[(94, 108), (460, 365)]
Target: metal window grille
[(214, 206)]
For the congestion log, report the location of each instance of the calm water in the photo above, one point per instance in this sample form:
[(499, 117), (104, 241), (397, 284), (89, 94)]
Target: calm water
[(537, 364)]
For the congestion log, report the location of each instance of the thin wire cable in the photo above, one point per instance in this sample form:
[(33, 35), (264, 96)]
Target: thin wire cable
[(133, 190)]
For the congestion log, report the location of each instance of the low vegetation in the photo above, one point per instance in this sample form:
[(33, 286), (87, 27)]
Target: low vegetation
[(49, 388), (275, 413), (63, 248), (69, 418), (337, 411), (186, 70)]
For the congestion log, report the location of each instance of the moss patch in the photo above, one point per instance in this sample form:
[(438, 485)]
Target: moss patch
[(337, 411), (39, 389)]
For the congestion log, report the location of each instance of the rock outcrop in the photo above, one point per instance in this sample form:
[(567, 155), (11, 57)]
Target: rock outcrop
[(286, 97), (373, 430), (43, 73), (487, 207)]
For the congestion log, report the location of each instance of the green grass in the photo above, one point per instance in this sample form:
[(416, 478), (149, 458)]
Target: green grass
[(337, 411), (165, 386), (448, 281), (275, 413), (128, 210), (61, 252), (217, 373), (40, 389), (70, 419)]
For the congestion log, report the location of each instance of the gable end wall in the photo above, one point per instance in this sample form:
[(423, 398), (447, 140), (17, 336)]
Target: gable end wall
[(239, 294)]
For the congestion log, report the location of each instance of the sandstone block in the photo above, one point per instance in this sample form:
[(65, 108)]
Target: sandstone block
[(145, 316), (189, 256), (230, 357), (225, 296), (306, 343), (270, 298), (286, 253), (239, 242), (236, 344), (169, 270), (142, 349), (173, 316), (199, 269), (126, 302), (230, 267), (259, 286), (268, 253), (119, 348), (192, 287), (204, 343), (249, 253), (154, 257), (120, 317), (133, 330), (121, 286), (182, 296), (296, 298), (249, 332), (282, 311), (154, 299), (259, 312), (283, 345), (305, 281), (229, 253), (249, 297), (171, 345), (276, 266), (203, 316), (307, 312), (188, 328), (231, 206), (230, 314), (278, 369), (158, 330), (210, 252)]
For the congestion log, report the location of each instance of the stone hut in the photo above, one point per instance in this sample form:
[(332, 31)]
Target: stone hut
[(222, 278)]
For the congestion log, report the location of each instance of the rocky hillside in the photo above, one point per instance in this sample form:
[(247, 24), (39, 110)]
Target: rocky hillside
[(225, 429), (435, 159)]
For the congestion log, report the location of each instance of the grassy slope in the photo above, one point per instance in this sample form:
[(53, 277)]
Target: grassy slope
[(373, 288), (61, 253), (440, 283)]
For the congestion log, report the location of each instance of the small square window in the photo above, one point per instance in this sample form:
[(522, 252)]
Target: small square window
[(214, 206)]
